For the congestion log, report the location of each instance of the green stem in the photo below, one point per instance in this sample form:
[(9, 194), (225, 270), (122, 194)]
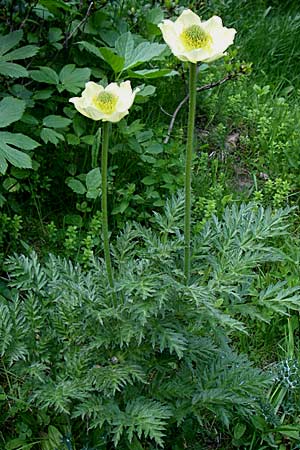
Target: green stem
[(104, 156), (188, 171)]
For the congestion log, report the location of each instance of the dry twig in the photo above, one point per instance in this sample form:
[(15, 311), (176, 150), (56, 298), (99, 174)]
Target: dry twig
[(68, 37)]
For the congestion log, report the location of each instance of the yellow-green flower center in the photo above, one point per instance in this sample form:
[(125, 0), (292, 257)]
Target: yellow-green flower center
[(106, 102), (194, 37)]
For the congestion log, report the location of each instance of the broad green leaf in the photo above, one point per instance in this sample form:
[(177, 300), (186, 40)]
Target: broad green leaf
[(146, 91), (149, 180), (90, 48), (15, 444), (72, 139), (3, 163), (56, 121), (43, 94), (54, 5), (20, 53), (93, 179), (154, 149), (9, 41), (116, 62), (19, 140), (125, 45), (144, 52), (29, 119), (76, 186), (12, 155), (152, 73), (42, 12), (50, 135), (55, 35), (45, 75), (155, 15), (12, 70), (93, 193), (11, 110), (73, 79)]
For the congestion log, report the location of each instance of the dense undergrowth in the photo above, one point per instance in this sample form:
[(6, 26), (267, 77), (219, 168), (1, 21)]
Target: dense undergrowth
[(160, 364)]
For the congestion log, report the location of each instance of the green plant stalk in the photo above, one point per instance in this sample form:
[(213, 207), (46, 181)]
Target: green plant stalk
[(104, 157), (188, 171)]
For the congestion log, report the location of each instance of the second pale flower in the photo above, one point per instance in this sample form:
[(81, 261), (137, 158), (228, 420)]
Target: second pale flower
[(109, 104), (192, 40)]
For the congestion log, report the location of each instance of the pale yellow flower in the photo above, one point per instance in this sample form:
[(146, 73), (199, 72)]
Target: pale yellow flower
[(109, 104), (192, 40)]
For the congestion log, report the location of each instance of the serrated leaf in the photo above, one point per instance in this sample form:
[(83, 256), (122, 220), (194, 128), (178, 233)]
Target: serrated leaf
[(53, 121), (3, 163), (50, 135), (11, 110), (152, 73), (90, 48), (9, 41), (45, 75), (125, 45), (19, 140), (12, 70), (144, 52), (43, 95), (155, 15), (20, 53), (76, 186), (73, 79), (12, 155), (146, 91), (116, 62), (40, 11), (93, 179)]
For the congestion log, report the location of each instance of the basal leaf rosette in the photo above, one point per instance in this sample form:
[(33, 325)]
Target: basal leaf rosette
[(192, 40), (108, 104)]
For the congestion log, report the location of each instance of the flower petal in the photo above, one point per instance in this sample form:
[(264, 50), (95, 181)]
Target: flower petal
[(215, 22), (91, 91), (198, 55), (126, 97), (186, 20), (223, 39), (171, 36)]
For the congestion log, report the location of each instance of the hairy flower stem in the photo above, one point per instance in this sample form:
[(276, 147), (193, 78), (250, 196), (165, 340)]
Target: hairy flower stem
[(188, 171), (104, 156)]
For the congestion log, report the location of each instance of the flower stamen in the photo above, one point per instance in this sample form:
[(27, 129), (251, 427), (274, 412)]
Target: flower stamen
[(106, 102), (194, 37)]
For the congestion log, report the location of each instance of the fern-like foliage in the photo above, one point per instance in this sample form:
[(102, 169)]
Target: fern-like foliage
[(159, 356)]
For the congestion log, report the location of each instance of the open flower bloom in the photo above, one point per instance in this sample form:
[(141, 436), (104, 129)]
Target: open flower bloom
[(109, 104), (192, 40)]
